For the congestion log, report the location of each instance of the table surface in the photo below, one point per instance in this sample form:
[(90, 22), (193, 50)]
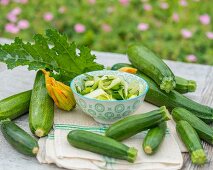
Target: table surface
[(10, 159)]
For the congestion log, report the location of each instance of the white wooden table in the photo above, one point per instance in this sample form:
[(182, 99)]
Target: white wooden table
[(10, 159)]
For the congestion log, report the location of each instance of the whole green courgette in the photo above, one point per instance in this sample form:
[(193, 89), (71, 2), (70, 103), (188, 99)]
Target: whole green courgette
[(204, 131), (154, 138), (192, 142), (19, 139), (101, 144), (15, 106), (175, 99), (146, 61), (41, 113), (134, 124)]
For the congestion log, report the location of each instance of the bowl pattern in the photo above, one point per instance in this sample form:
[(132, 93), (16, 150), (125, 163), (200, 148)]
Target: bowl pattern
[(108, 111)]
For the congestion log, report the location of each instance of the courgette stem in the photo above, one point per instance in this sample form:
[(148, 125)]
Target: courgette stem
[(148, 150), (198, 157), (184, 86), (132, 154)]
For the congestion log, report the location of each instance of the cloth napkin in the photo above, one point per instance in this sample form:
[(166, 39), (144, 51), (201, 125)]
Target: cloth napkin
[(55, 148)]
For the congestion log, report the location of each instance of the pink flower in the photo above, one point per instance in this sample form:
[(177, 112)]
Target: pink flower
[(4, 2), (11, 28), (164, 5), (124, 2), (205, 19), (186, 33), (183, 3), (143, 27), (92, 1), (147, 7), (48, 16), (23, 24), (11, 17), (209, 35), (106, 28), (191, 58), (62, 9), (16, 11), (79, 28), (175, 17)]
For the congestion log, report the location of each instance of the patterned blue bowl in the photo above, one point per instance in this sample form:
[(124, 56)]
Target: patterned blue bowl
[(108, 111)]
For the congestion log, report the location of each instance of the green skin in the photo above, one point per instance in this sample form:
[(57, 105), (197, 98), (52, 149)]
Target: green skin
[(19, 139), (147, 62), (175, 99), (101, 144), (182, 85), (185, 86), (154, 138), (204, 131), (132, 125), (192, 142), (41, 111), (15, 106)]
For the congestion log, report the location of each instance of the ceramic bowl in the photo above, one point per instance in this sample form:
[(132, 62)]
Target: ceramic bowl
[(108, 111)]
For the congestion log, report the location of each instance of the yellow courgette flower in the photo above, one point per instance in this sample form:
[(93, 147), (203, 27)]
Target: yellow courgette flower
[(60, 93)]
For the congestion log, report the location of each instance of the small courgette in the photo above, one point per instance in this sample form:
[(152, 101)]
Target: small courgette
[(204, 131), (154, 138), (192, 142), (15, 106), (18, 138), (41, 111), (147, 62), (101, 144), (132, 125), (184, 86)]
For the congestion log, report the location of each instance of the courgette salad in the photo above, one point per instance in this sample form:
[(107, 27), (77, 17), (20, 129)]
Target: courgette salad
[(109, 87)]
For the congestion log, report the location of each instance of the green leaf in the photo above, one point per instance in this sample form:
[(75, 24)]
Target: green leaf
[(62, 59)]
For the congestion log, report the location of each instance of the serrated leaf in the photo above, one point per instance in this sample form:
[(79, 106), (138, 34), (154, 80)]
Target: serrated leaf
[(61, 59)]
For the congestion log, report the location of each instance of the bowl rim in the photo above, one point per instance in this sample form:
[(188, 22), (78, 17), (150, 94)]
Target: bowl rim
[(110, 101)]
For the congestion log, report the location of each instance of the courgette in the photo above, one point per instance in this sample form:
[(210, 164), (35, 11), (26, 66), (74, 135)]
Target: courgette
[(154, 138), (120, 65), (19, 139), (132, 125), (175, 99), (41, 111), (184, 86), (15, 106), (204, 131), (192, 142), (101, 144), (147, 62)]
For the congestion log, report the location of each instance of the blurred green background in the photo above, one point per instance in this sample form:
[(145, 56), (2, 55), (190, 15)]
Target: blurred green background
[(175, 29)]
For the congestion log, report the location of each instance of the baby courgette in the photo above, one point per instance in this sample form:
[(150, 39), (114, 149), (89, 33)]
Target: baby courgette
[(101, 144), (132, 125), (192, 142), (154, 138), (15, 106), (19, 139), (204, 131), (146, 61), (184, 86), (41, 112)]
